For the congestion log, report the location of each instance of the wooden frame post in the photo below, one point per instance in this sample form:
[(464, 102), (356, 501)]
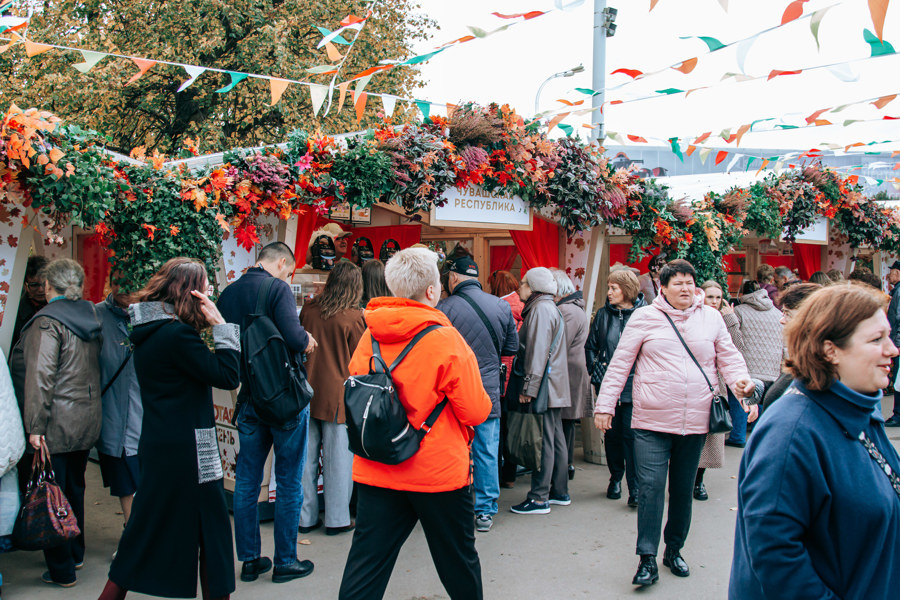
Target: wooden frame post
[(592, 272)]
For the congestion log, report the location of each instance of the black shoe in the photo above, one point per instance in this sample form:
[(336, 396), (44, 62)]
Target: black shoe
[(252, 569), (614, 491), (571, 472), (300, 568), (676, 564), (303, 529), (339, 530), (632, 500), (648, 572), (894, 421), (700, 492), (728, 442)]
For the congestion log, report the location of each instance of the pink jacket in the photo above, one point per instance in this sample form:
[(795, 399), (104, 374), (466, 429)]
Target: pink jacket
[(670, 394)]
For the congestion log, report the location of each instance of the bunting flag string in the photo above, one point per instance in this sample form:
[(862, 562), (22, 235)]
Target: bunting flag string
[(350, 23)]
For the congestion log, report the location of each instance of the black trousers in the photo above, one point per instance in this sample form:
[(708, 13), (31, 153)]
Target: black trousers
[(619, 441), (657, 454), (569, 434), (385, 518), (507, 465), (69, 469)]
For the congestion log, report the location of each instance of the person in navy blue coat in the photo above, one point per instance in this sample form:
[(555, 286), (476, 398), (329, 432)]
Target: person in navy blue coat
[(818, 494)]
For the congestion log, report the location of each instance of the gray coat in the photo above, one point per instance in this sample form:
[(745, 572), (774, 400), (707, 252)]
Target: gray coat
[(122, 409), (542, 321), (576, 320)]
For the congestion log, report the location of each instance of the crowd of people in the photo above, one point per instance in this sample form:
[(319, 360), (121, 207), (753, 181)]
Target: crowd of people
[(802, 364)]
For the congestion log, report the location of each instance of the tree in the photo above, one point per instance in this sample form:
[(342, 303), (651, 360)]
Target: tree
[(275, 37)]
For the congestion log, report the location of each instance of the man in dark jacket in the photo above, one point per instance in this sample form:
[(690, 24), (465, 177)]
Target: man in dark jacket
[(33, 297), (487, 324), (236, 303), (893, 314)]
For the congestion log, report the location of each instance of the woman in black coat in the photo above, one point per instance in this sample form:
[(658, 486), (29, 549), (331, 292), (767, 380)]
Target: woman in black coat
[(181, 508)]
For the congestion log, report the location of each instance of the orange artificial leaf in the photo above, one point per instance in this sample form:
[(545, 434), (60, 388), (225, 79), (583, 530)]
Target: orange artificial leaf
[(42, 159), (150, 229), (56, 154), (687, 66), (884, 101), (174, 230), (220, 219)]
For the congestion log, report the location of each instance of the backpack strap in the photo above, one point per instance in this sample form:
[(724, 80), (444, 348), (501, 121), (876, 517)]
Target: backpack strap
[(429, 422), (262, 298)]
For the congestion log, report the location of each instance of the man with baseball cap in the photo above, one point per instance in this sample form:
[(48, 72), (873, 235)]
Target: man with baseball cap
[(341, 238), (486, 323)]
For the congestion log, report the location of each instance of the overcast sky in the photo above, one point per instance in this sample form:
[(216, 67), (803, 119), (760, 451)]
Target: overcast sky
[(509, 66)]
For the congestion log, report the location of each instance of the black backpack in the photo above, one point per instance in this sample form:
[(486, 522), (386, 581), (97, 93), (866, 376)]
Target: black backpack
[(277, 382), (377, 425)]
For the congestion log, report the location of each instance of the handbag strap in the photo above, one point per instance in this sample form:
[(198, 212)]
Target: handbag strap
[(117, 373), (484, 320), (691, 354)]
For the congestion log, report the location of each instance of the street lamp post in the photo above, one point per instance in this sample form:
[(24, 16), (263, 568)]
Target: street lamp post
[(569, 73)]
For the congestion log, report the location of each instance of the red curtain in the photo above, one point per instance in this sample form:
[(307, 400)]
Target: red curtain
[(618, 253), (94, 259), (406, 235), (308, 222), (808, 258), (538, 247), (503, 257)]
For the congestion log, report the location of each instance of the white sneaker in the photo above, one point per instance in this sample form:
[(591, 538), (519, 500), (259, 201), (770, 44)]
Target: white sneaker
[(483, 522)]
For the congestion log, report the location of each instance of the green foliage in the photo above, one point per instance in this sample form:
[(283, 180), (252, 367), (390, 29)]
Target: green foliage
[(364, 171), (762, 212)]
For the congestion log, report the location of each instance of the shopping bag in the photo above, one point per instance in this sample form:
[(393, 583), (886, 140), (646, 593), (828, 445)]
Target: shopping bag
[(524, 436), (46, 519)]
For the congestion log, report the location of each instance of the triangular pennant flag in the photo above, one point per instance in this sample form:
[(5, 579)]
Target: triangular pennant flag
[(361, 84), (568, 129), (634, 138), (879, 46), (33, 48), (712, 43), (724, 4), (193, 73), (765, 163), (793, 11), (884, 100), (740, 133), (811, 118), (743, 49), (778, 73), (733, 162), (322, 70), (143, 66), (703, 137), (236, 78), (878, 10), (687, 66), (614, 137), (351, 20), (721, 156), (332, 52), (91, 59), (415, 60), (676, 149), (424, 108), (13, 39), (670, 91), (653, 4), (331, 36), (760, 121), (750, 160), (317, 94), (690, 150), (389, 103), (277, 87), (342, 89), (704, 153), (844, 72), (633, 73), (815, 22), (361, 99)]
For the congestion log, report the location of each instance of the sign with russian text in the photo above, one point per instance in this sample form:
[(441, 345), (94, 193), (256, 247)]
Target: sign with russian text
[(474, 207)]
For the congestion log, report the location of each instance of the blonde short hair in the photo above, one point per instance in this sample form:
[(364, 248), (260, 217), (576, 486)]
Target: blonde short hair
[(627, 282), (409, 273)]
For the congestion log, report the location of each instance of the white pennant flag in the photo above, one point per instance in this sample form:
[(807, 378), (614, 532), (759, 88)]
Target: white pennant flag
[(317, 94), (389, 103), (90, 60), (742, 49), (193, 74), (844, 72), (361, 84), (733, 162), (704, 154)]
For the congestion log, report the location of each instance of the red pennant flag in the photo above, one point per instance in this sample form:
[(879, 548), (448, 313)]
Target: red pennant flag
[(730, 138), (703, 137), (633, 73), (886, 118), (143, 65), (777, 73), (721, 156), (637, 139), (793, 11), (616, 101), (370, 71), (811, 118), (687, 66), (528, 15), (351, 20), (878, 9), (884, 101)]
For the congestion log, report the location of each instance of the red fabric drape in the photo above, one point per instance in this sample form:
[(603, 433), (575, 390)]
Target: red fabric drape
[(618, 253), (94, 259), (503, 257), (406, 235), (539, 247), (308, 222), (808, 258)]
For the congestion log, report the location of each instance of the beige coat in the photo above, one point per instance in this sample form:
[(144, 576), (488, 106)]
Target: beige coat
[(542, 321), (577, 329)]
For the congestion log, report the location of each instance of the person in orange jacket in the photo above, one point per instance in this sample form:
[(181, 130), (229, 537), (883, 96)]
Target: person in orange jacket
[(433, 486)]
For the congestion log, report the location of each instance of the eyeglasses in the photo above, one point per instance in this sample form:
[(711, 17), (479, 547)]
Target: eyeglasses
[(34, 285)]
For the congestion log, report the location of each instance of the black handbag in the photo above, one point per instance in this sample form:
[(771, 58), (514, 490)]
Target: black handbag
[(719, 416)]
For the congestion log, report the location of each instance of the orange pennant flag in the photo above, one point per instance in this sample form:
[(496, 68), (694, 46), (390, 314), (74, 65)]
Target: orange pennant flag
[(793, 11), (777, 73), (896, 166), (143, 66), (895, 153), (278, 86), (569, 102), (13, 38), (765, 163), (690, 150), (361, 106), (343, 89), (687, 66), (637, 139), (462, 40), (856, 145), (703, 137), (721, 156), (740, 133), (878, 9), (884, 101), (653, 4), (811, 118), (528, 15), (332, 52), (556, 121), (33, 48), (822, 122)]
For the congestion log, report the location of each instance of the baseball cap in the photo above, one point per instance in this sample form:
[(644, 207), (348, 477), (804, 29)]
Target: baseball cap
[(335, 231), (464, 266)]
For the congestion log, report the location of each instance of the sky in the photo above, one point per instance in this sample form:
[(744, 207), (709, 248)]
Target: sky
[(508, 67)]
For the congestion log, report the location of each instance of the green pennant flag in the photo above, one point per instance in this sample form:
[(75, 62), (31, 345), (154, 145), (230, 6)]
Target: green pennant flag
[(236, 78), (588, 91), (750, 160), (422, 57), (336, 39), (670, 91), (880, 181), (712, 43), (676, 149), (787, 126), (425, 109), (879, 47), (851, 121), (567, 128), (760, 121), (6, 6)]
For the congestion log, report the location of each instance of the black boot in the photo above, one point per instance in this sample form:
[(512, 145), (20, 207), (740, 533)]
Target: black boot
[(676, 564), (614, 491), (571, 472), (648, 572)]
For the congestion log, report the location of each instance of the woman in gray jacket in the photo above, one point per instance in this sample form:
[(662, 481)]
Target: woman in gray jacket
[(542, 348)]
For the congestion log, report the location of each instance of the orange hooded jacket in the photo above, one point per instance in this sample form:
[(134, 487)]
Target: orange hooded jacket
[(441, 364)]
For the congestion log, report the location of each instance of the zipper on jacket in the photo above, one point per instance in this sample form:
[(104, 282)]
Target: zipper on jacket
[(362, 431)]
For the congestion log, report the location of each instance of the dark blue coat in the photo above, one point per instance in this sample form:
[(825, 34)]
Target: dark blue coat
[(817, 517), (470, 325)]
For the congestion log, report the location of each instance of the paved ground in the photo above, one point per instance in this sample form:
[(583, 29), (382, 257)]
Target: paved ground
[(584, 550)]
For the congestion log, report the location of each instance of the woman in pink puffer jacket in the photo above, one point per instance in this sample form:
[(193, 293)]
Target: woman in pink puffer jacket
[(671, 406)]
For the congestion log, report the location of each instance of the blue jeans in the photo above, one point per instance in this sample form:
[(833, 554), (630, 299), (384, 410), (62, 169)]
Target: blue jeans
[(486, 475), (256, 439), (738, 433)]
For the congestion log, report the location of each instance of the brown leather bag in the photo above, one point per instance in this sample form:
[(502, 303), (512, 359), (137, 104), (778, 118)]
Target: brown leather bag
[(46, 519)]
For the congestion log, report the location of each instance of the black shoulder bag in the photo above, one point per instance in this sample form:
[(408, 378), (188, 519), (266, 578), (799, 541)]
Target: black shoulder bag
[(719, 417), (494, 337)]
